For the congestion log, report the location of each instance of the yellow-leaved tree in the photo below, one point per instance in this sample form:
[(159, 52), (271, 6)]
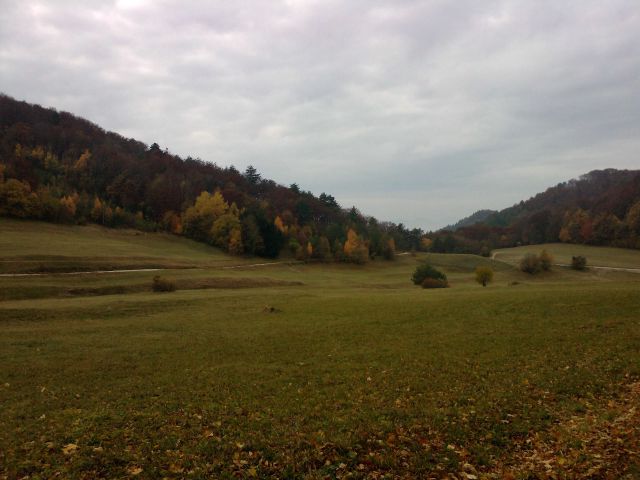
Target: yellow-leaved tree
[(81, 164), (17, 199), (280, 225), (235, 242), (198, 220), (355, 249), (97, 212), (226, 231), (68, 207)]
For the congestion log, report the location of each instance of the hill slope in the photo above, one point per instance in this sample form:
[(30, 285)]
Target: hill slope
[(60, 168), (616, 258), (599, 208), (29, 246)]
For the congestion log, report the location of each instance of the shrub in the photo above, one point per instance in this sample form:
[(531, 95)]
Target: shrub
[(434, 283), (546, 260), (484, 275), (427, 271), (162, 284), (530, 263), (579, 262)]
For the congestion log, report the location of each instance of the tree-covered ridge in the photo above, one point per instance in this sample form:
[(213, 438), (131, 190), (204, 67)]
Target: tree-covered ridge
[(58, 167), (477, 217), (599, 208)]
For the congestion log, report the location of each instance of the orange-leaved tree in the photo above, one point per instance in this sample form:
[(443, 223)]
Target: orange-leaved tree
[(355, 249)]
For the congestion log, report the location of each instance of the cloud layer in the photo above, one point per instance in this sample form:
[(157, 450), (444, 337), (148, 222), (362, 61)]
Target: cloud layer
[(416, 111)]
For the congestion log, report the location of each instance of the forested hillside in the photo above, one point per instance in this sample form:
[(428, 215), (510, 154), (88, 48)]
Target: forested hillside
[(599, 208), (477, 217), (58, 167)]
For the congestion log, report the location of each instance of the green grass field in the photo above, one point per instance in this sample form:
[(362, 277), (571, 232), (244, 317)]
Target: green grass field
[(562, 253), (356, 373), (31, 247)]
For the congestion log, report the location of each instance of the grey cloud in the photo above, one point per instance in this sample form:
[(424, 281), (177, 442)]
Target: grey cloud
[(415, 111)]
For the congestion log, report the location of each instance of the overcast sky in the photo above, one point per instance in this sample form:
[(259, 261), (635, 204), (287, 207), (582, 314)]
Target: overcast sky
[(414, 111)]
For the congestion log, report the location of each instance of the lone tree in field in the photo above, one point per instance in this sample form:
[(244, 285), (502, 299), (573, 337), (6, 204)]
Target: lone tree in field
[(484, 275)]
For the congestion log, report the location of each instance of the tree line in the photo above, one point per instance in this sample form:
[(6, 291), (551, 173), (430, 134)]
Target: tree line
[(599, 208), (57, 167)]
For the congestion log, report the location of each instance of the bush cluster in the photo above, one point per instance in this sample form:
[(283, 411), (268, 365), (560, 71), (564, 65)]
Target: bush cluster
[(160, 284), (426, 271), (532, 263), (579, 262)]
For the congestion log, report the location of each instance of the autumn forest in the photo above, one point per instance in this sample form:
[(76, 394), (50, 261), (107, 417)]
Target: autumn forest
[(60, 168)]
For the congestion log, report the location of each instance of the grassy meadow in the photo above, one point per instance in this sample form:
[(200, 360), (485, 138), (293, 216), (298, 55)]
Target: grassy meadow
[(32, 247), (309, 370), (562, 253)]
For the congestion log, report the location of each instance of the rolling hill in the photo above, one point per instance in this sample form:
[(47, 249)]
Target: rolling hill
[(57, 167), (601, 207)]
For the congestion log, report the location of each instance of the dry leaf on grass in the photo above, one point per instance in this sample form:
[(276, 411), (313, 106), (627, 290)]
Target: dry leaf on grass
[(70, 449)]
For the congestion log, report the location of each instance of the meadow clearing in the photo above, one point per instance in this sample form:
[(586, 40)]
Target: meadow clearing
[(351, 371)]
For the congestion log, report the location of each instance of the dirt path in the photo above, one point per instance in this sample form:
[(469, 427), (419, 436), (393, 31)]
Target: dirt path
[(131, 270), (614, 269), (251, 265), (79, 273)]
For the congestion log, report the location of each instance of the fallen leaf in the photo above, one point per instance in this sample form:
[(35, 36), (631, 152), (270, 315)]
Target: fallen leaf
[(70, 449)]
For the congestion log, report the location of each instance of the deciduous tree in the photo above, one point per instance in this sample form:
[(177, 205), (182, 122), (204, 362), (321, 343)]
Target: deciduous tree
[(355, 249), (484, 275)]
